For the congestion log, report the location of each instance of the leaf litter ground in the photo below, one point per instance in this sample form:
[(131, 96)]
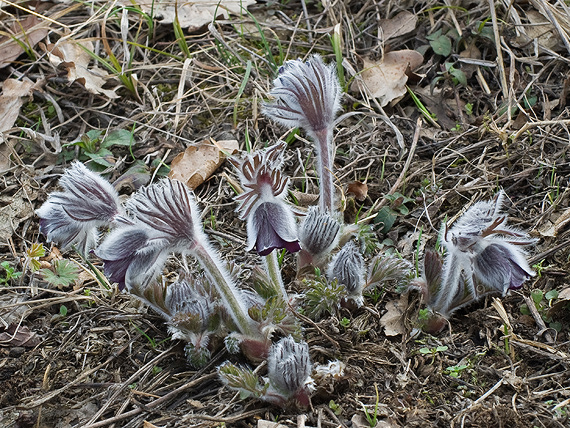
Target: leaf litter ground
[(83, 355)]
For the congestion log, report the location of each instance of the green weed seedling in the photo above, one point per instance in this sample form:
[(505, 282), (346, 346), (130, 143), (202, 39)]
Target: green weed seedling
[(335, 407), (97, 147), (10, 273), (345, 322), (543, 301), (432, 351), (455, 371)]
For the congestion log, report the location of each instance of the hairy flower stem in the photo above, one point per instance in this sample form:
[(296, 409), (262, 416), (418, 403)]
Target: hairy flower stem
[(272, 269), (221, 279), (324, 140)]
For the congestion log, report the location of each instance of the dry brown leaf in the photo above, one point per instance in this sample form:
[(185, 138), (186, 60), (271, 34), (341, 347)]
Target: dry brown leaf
[(19, 335), (72, 55), (197, 163), (551, 230), (386, 80), (401, 24), (358, 189), (393, 319), (191, 15), (11, 100), (28, 31)]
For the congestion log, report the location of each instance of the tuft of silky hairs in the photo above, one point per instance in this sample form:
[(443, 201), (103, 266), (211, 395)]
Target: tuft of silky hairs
[(72, 216)]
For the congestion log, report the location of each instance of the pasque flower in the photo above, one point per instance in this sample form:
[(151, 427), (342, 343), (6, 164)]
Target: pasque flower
[(319, 235), (270, 220), (483, 255), (347, 267), (164, 221), (71, 217), (307, 95), (288, 369)]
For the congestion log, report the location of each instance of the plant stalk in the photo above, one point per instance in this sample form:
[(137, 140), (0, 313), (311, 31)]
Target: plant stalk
[(220, 278)]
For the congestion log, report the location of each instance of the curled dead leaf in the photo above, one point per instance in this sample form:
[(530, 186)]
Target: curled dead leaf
[(29, 31), (551, 230), (358, 189), (19, 335), (74, 57), (386, 80), (393, 319), (197, 163)]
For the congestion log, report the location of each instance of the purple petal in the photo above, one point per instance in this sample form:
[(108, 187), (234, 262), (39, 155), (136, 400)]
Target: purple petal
[(272, 226), (500, 268), (130, 257)]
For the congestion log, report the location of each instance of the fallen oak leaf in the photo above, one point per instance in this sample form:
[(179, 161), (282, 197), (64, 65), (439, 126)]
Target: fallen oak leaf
[(197, 163), (358, 189), (386, 80), (393, 319)]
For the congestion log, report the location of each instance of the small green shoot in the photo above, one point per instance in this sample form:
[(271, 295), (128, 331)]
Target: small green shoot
[(430, 117), (337, 410), (241, 89), (372, 418), (433, 351), (336, 42), (345, 322), (10, 273), (96, 147), (33, 255), (62, 311), (455, 371)]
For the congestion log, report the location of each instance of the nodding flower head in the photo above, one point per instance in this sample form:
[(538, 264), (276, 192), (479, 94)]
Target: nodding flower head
[(483, 255), (347, 266), (306, 95), (133, 257), (288, 370), (270, 220), (261, 177), (169, 211), (71, 217)]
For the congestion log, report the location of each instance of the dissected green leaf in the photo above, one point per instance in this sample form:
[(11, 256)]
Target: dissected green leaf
[(63, 274)]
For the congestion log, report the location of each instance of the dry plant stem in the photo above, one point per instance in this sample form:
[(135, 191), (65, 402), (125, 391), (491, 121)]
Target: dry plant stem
[(225, 287), (538, 320), (380, 203), (122, 386), (500, 63), (272, 268), (154, 404), (528, 125)]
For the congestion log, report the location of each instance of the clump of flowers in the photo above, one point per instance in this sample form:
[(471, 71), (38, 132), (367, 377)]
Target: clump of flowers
[(483, 255)]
